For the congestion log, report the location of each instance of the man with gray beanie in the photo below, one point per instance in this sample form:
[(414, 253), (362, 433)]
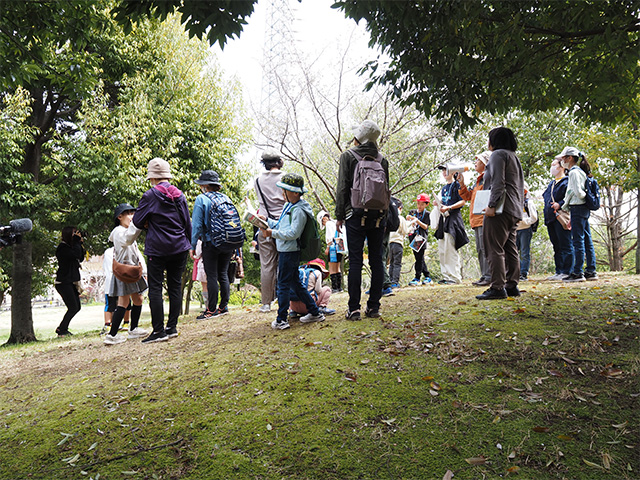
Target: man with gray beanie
[(362, 223), (271, 202)]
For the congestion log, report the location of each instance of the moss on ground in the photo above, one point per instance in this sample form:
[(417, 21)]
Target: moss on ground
[(543, 386)]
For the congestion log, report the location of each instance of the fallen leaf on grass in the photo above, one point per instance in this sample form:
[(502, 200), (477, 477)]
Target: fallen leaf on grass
[(448, 475), (565, 437), (606, 460), (513, 469), (594, 465), (476, 460), (388, 422), (519, 310), (620, 425), (555, 373), (541, 429), (435, 386), (611, 372)]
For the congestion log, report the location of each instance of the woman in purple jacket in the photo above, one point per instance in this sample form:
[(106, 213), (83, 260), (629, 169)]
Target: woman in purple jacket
[(164, 213)]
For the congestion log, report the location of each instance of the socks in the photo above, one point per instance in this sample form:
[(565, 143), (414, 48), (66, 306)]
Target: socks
[(135, 316), (116, 320)]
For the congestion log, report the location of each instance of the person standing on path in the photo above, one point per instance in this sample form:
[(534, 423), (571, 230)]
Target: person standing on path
[(69, 253)]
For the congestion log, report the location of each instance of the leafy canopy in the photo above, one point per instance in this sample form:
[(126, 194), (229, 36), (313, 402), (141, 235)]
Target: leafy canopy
[(458, 59)]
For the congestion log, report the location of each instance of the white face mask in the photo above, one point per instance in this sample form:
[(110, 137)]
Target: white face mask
[(554, 170)]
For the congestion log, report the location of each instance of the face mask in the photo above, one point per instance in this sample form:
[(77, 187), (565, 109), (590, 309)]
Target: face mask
[(554, 170)]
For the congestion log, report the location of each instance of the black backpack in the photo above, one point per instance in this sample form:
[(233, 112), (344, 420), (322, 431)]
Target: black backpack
[(393, 217)]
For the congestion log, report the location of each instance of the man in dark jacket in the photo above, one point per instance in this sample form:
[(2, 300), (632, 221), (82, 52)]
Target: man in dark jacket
[(164, 213), (361, 225)]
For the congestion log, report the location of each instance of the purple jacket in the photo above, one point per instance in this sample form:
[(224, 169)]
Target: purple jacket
[(163, 211)]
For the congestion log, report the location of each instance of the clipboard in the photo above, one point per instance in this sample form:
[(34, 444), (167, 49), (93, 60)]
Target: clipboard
[(482, 201)]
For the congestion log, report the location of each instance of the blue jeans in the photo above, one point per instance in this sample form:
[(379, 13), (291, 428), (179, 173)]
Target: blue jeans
[(581, 239), (289, 279), (523, 242), (156, 267), (356, 235), (562, 247)]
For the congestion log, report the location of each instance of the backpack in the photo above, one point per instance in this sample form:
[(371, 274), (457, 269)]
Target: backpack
[(393, 217), (534, 226), (592, 200), (224, 225), (370, 188), (310, 242)]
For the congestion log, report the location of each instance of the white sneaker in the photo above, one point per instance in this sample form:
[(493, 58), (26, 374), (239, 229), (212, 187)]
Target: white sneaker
[(138, 332), (276, 325), (308, 318), (114, 340), (266, 308)]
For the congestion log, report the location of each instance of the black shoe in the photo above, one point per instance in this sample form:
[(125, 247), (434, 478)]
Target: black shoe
[(591, 276), (171, 332), (442, 282), (492, 294), (513, 291), (63, 333), (204, 315), (574, 277), (355, 315), (481, 283), (372, 313), (221, 311), (156, 337)]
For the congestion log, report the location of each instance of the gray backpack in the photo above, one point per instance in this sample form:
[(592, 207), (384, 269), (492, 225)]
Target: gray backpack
[(370, 190)]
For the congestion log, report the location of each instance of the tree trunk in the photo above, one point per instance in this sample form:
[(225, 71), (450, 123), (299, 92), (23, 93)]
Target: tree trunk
[(21, 316)]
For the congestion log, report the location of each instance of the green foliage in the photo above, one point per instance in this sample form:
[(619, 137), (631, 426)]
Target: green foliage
[(456, 60)]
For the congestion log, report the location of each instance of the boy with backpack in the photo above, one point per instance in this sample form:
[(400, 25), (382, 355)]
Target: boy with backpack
[(362, 201), (216, 222), (288, 230)]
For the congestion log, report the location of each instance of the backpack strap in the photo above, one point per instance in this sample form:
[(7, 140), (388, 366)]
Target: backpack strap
[(264, 200)]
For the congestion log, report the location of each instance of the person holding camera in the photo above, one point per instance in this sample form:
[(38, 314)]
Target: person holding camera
[(69, 253)]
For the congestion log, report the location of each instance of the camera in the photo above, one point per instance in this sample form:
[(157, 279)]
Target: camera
[(12, 233)]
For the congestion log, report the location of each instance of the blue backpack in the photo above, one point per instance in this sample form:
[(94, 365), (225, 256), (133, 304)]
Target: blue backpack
[(224, 225), (592, 200)]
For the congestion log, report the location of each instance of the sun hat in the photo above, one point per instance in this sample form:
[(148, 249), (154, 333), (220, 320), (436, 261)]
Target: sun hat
[(367, 131), (320, 216), (208, 177), (570, 151), (423, 197), (292, 182), (484, 156), (120, 209), (158, 168), (320, 265)]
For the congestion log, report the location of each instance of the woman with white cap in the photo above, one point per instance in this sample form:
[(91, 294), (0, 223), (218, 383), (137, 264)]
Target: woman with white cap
[(336, 248), (574, 202)]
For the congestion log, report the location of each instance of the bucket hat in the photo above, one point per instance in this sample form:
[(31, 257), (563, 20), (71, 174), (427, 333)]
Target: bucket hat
[(320, 216), (158, 168), (367, 131), (484, 156), (320, 265), (292, 182), (120, 209), (208, 177)]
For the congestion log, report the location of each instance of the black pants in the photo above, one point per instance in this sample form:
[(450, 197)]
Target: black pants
[(421, 264), (356, 235), (216, 266), (156, 267), (71, 299)]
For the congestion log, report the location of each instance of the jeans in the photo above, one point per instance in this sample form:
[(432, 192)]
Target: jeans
[(395, 262), (523, 242), (71, 299), (356, 235), (581, 239), (562, 247), (289, 279), (156, 267), (216, 266)]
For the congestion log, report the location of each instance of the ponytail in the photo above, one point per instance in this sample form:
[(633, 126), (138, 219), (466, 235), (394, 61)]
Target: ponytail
[(584, 165)]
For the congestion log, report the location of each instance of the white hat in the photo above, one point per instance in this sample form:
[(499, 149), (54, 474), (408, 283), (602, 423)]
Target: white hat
[(484, 156), (367, 131), (320, 216), (570, 151)]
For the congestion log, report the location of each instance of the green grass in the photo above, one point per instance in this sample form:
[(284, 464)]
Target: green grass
[(544, 386)]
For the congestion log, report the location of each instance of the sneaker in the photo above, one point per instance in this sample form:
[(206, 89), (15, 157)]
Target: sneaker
[(591, 276), (426, 281), (523, 278), (138, 333), (372, 313), (63, 333), (387, 292), (512, 291), (105, 328), (221, 311), (113, 340), (415, 282), (483, 282), (293, 314), (204, 315), (558, 277), (574, 277), (156, 337), (265, 308), (492, 294), (327, 311), (309, 318), (355, 315), (276, 325), (171, 332), (395, 285), (446, 282)]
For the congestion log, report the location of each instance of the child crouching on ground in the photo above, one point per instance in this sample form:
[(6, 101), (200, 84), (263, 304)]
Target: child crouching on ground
[(312, 275), (125, 250), (287, 230)]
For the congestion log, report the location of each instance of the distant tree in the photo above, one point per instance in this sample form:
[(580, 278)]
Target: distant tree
[(458, 59)]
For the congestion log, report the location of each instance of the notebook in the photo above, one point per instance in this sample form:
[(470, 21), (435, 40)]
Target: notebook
[(482, 201)]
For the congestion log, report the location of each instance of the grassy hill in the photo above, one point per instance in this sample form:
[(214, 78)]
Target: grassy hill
[(542, 386)]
